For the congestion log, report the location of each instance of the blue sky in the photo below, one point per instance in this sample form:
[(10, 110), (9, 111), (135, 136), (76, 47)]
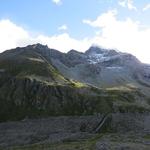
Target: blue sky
[(46, 16), (67, 24)]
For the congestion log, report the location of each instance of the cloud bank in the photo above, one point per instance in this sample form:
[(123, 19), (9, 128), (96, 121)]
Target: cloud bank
[(124, 35), (13, 36)]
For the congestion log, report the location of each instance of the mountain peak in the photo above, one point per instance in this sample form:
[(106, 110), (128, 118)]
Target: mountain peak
[(38, 46), (74, 52), (95, 50)]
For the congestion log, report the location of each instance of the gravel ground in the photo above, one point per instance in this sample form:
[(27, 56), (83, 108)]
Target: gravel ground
[(128, 132)]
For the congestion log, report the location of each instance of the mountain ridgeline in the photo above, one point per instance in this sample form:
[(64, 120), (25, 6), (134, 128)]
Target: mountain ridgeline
[(36, 81)]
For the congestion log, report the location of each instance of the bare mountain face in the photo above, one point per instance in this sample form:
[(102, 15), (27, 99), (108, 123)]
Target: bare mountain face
[(38, 81), (103, 68)]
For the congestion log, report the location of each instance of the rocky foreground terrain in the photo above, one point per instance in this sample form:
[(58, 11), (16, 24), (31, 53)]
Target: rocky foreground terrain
[(119, 131), (94, 100)]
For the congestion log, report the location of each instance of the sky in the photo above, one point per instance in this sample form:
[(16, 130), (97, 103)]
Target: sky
[(123, 25)]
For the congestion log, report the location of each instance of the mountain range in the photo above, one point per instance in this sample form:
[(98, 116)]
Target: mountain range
[(37, 81)]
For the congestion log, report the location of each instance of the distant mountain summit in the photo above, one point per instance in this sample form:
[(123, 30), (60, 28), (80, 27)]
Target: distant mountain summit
[(95, 50), (39, 81), (96, 64)]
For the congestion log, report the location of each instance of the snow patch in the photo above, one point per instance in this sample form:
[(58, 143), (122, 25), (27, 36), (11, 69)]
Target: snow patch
[(96, 58), (114, 67)]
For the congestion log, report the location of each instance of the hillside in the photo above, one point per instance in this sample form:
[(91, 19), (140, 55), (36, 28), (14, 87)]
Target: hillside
[(31, 86), (36, 81), (103, 68)]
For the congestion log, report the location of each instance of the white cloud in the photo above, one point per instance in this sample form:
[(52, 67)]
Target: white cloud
[(126, 35), (63, 27), (131, 5), (146, 7), (102, 20), (122, 3), (64, 42), (12, 35), (127, 3), (57, 2)]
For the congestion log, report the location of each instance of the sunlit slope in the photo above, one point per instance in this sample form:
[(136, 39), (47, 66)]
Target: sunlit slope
[(32, 86)]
